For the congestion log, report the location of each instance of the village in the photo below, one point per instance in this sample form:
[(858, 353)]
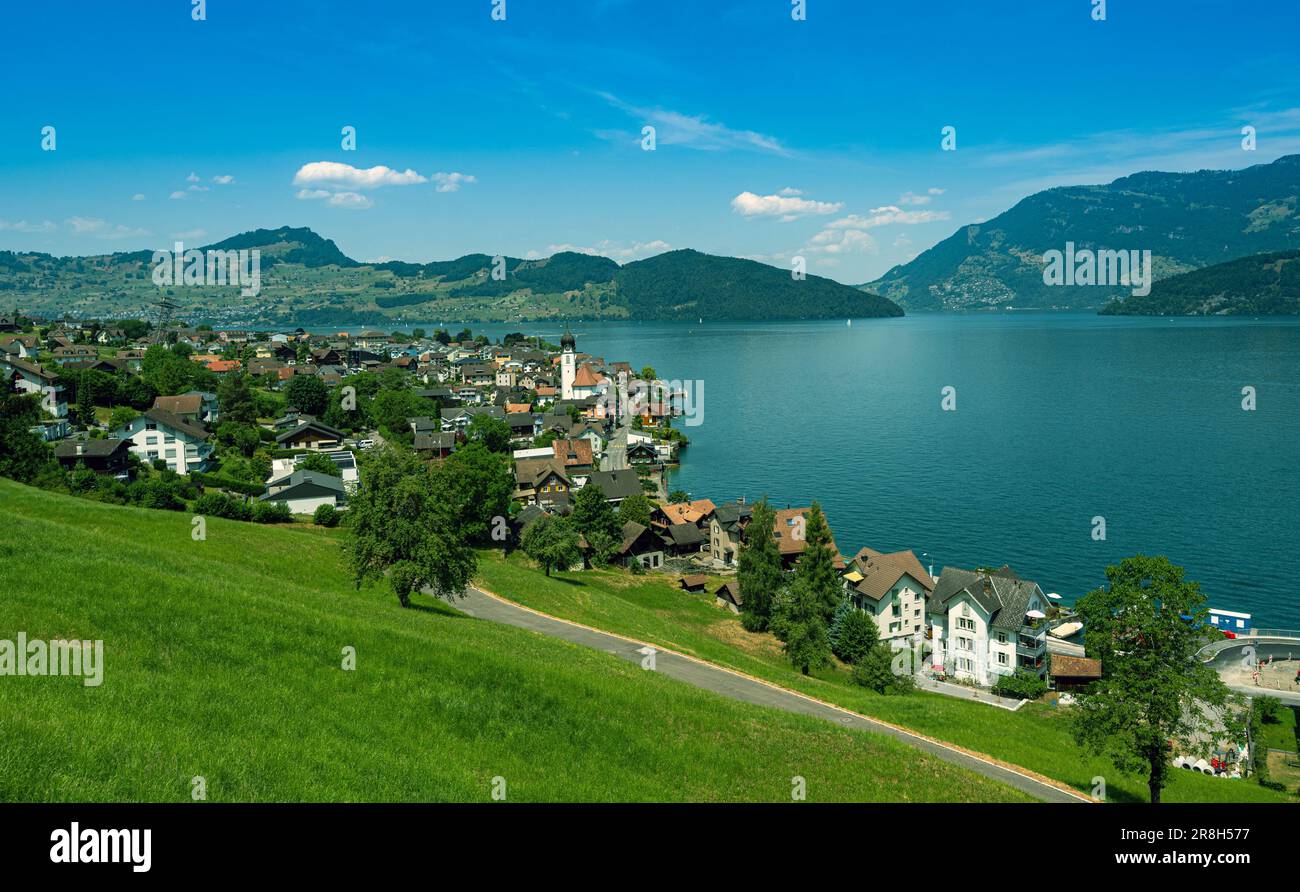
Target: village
[(266, 427)]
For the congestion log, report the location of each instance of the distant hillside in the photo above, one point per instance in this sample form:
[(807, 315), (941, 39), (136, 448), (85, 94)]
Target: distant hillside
[(307, 280), (1187, 221), (682, 284), (1262, 285)]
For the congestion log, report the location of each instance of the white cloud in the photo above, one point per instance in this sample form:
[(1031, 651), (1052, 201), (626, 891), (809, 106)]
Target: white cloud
[(883, 216), (787, 207), (224, 179), (352, 200), (320, 173), (308, 194), (451, 182), (94, 226), (842, 241), (192, 178), (789, 190), (912, 198), (198, 188), (690, 131), (139, 196), (24, 226), (176, 196)]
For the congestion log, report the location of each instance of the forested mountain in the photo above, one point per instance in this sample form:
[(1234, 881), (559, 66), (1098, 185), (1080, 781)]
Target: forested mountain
[(1261, 285), (307, 280), (1187, 221)]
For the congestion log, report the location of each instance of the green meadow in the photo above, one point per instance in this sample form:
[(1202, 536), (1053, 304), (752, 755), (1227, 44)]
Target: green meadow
[(651, 608), (223, 661)]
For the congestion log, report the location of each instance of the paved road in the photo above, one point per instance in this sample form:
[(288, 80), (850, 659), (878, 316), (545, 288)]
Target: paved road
[(615, 458), (739, 687)]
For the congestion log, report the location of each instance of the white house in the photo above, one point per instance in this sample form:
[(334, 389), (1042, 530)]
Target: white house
[(893, 588), (305, 491), (158, 434), (987, 623), (29, 378)]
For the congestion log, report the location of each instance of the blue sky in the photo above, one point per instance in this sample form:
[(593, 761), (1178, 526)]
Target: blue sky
[(775, 137)]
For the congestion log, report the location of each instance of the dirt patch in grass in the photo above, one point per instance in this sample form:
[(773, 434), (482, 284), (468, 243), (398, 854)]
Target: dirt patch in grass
[(731, 632)]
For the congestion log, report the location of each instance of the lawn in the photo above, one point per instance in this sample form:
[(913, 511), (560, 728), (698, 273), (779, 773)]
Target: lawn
[(651, 608), (223, 661)]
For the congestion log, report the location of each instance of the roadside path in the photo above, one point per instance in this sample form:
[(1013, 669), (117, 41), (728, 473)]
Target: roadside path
[(731, 684)]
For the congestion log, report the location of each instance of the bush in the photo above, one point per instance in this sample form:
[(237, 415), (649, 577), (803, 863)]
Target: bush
[(876, 671), (854, 634), (271, 512), (1270, 710), (1023, 685), (325, 516)]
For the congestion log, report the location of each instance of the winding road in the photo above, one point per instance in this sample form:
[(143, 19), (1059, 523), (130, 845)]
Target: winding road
[(731, 684)]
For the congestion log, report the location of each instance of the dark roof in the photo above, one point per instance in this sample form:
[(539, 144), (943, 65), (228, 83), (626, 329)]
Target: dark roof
[(176, 423), (317, 425), (429, 442), (1004, 597), (635, 534), (89, 448), (616, 484), (731, 591), (731, 515), (695, 580), (304, 478), (686, 534)]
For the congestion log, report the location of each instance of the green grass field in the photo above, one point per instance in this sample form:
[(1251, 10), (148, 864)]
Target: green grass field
[(223, 660), (651, 608)]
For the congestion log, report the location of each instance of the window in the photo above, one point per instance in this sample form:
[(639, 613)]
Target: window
[(966, 624), (1002, 658), (1002, 637)]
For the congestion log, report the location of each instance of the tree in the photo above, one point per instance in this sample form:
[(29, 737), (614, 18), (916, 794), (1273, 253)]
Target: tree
[(552, 542), (23, 455), (1153, 689), (166, 371), (854, 633), (309, 394), (592, 514), (816, 566), (325, 516), (493, 433), (759, 568), (404, 517), (635, 508), (121, 417), (678, 497), (320, 463), (483, 484), (806, 641), (235, 399)]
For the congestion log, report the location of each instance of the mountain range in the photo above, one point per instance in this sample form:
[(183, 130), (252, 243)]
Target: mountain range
[(306, 280), (1187, 221)]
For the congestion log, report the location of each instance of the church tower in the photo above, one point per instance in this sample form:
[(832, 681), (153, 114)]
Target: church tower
[(568, 364)]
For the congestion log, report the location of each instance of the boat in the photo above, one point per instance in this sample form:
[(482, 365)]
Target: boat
[(1067, 630)]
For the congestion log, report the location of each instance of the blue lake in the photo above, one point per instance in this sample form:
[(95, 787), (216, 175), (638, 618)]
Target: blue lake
[(1059, 418)]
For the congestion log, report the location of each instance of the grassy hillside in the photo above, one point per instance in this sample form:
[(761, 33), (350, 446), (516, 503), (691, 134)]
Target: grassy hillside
[(307, 280), (222, 659), (1261, 285), (649, 608), (1188, 220)]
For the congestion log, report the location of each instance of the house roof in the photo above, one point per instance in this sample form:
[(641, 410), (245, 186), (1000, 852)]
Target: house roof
[(1004, 597), (687, 512), (185, 404), (532, 471), (695, 580), (616, 484), (332, 433), (440, 440), (1064, 666), (89, 448), (732, 516), (634, 533), (176, 423), (304, 478), (731, 591), (686, 534), (573, 452), (878, 572)]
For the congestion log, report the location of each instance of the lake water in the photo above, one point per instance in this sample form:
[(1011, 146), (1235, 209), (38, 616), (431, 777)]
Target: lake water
[(1059, 418)]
